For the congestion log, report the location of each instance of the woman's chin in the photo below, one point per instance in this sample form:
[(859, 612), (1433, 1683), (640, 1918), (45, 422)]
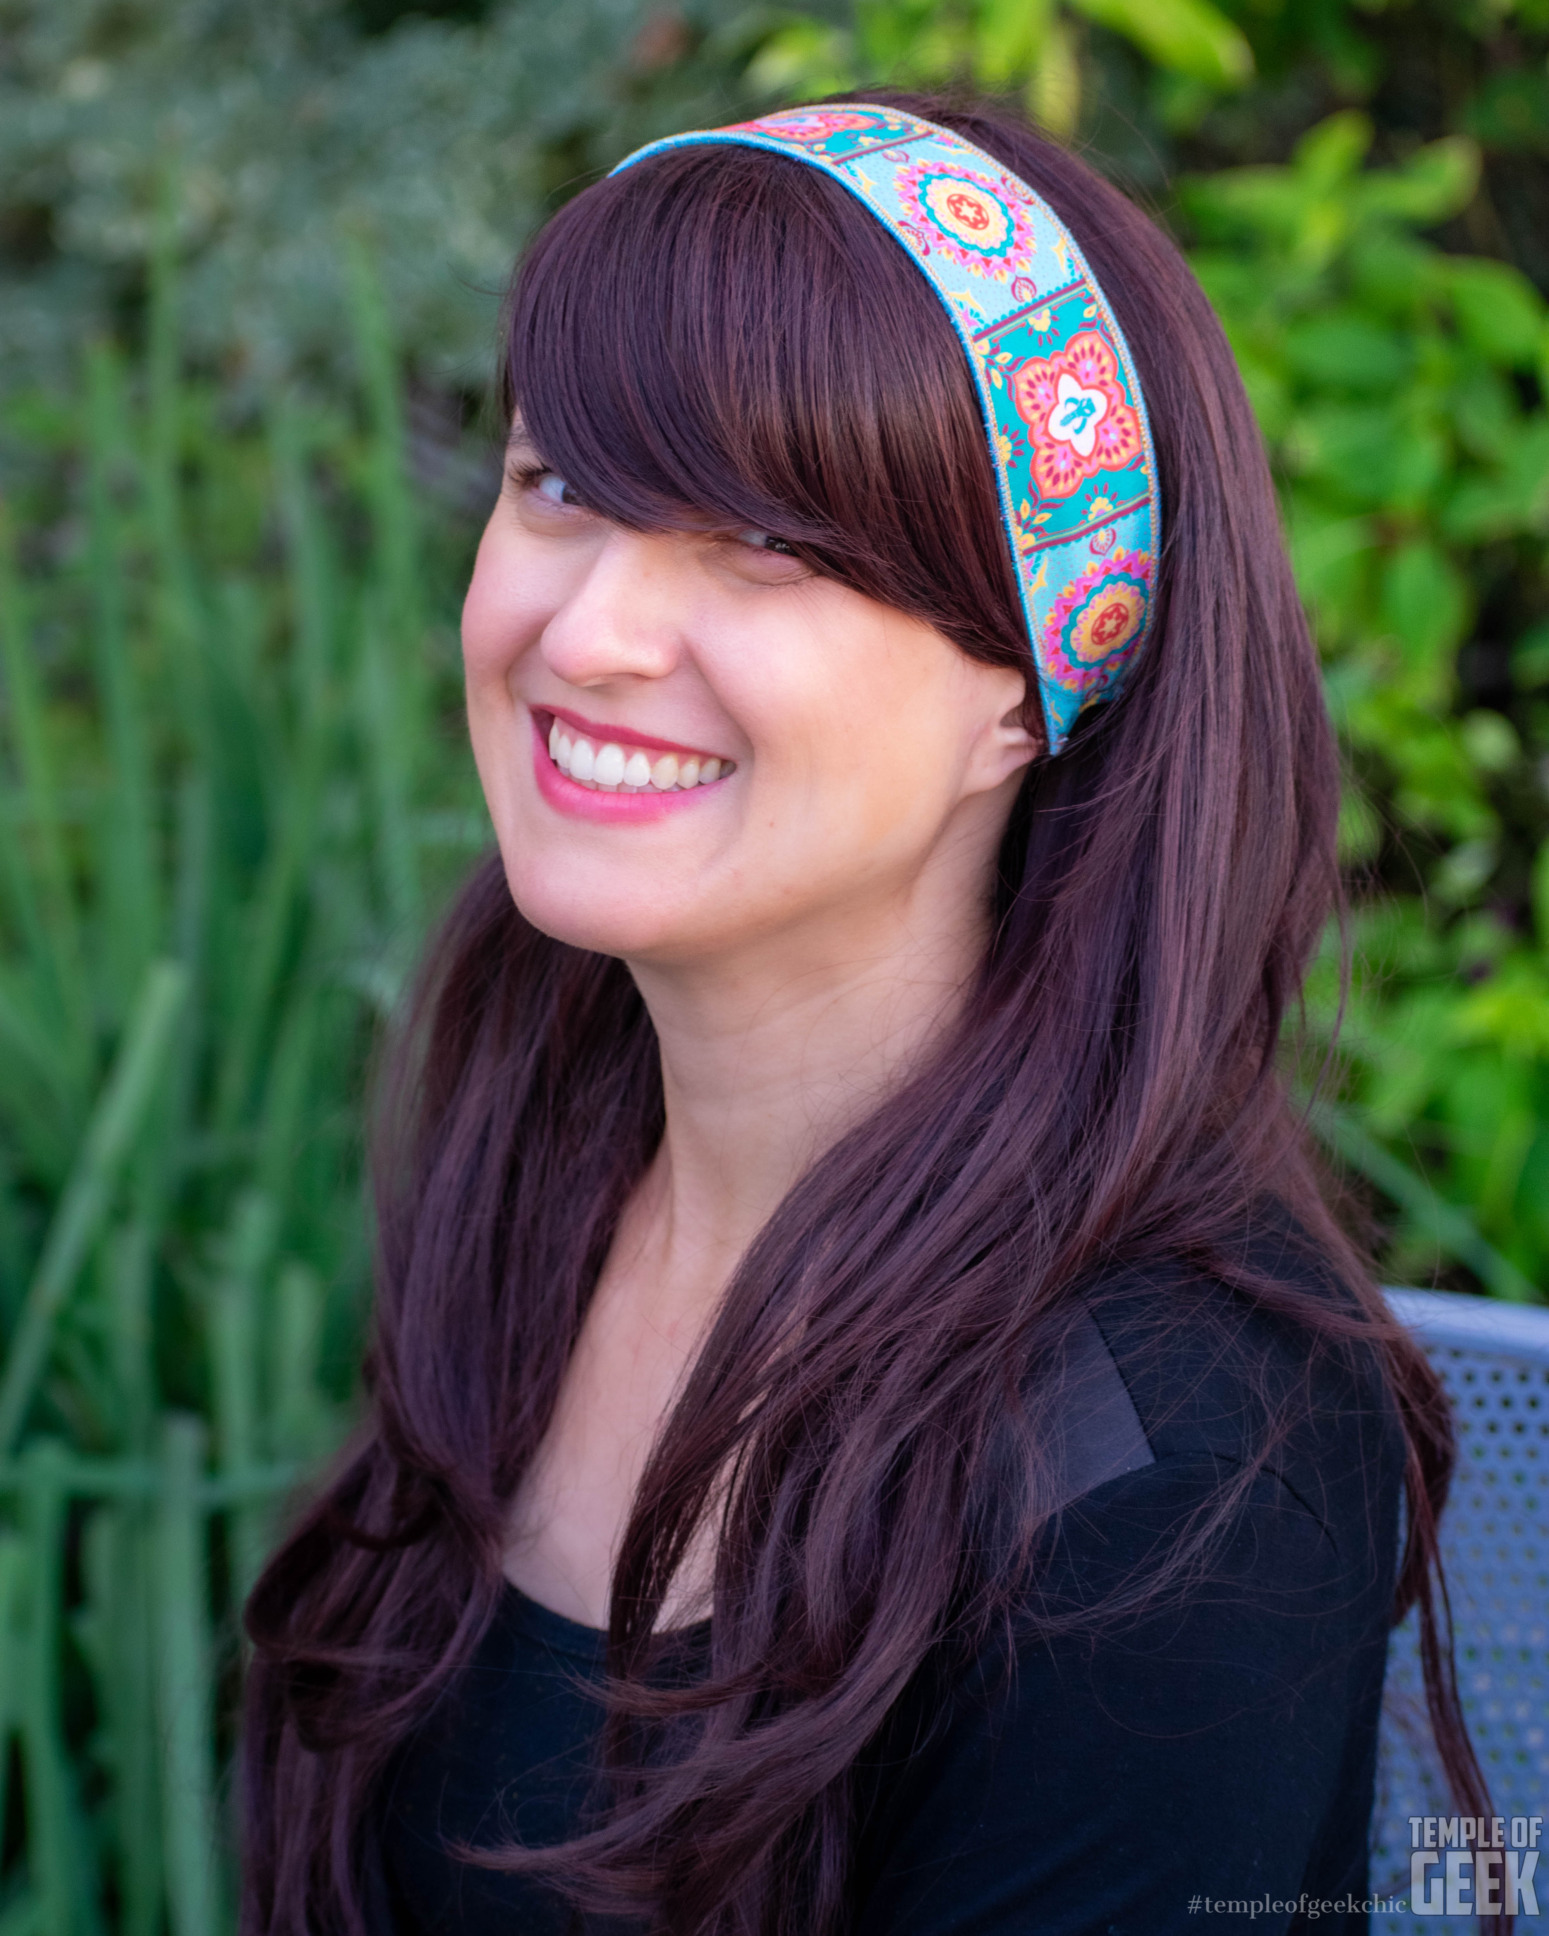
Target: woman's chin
[(606, 920)]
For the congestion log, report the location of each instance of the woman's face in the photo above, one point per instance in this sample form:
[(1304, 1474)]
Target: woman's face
[(690, 742)]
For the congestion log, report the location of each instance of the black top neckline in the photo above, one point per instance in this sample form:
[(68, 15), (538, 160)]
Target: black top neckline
[(556, 1631), (562, 1635), (1101, 1438)]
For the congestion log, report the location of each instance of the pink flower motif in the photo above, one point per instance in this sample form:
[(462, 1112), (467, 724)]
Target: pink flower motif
[(1096, 621), (1079, 418), (813, 126), (975, 220)]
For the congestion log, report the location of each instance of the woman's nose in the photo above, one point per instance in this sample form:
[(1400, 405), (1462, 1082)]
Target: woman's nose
[(625, 613)]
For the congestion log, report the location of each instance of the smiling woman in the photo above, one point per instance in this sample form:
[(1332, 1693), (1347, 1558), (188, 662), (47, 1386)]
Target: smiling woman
[(874, 1428), (823, 743)]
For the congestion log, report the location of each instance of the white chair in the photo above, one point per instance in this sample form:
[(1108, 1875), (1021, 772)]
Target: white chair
[(1494, 1359)]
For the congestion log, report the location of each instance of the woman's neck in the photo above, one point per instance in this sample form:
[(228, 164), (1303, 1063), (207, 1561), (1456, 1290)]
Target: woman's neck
[(767, 1060)]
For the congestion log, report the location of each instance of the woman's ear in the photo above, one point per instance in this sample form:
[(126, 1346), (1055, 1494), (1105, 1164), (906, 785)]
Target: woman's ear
[(1026, 719), (1012, 737)]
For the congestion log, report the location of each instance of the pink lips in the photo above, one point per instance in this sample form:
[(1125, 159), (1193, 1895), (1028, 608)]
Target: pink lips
[(605, 809), (599, 735)]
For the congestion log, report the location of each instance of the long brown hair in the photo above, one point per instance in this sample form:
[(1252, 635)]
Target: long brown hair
[(721, 331)]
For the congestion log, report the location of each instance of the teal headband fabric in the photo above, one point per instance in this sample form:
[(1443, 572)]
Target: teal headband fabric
[(1068, 435)]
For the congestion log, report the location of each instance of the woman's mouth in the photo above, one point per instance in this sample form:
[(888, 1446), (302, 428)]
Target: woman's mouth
[(607, 765)]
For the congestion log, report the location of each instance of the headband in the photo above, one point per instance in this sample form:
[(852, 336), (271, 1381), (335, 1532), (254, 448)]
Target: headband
[(1069, 440)]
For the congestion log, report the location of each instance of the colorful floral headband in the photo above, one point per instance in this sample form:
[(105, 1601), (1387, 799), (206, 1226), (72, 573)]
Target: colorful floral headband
[(1068, 435)]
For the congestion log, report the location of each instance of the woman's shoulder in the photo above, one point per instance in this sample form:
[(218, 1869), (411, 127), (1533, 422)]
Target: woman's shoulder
[(1206, 1372), (1181, 1417), (1215, 1730)]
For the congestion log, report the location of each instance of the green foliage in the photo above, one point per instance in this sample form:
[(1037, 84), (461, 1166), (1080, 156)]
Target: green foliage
[(229, 799), (1402, 391), (441, 141), (1000, 44)]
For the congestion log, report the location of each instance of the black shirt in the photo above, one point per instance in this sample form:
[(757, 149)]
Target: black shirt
[(1221, 1751)]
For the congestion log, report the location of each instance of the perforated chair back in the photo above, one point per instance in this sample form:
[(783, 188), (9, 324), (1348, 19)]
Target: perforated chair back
[(1494, 1360)]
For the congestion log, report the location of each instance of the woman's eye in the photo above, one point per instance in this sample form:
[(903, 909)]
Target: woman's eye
[(763, 541), (763, 558), (553, 489)]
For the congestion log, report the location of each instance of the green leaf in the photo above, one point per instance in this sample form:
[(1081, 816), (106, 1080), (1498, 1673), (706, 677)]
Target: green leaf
[(1371, 457), (125, 1099), (1184, 36), (185, 1687), (804, 58), (1490, 741), (1438, 789), (1425, 604), (1009, 36), (1499, 312), (1331, 555), (1515, 499), (1330, 153), (1391, 274), (1436, 182), (1462, 872), (1348, 351), (1054, 88), (1485, 412), (1360, 829), (1509, 1010)]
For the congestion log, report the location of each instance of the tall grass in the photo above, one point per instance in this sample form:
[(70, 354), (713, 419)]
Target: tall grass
[(228, 795)]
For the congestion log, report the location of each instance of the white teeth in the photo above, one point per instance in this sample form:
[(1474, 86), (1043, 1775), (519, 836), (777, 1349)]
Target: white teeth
[(611, 766)]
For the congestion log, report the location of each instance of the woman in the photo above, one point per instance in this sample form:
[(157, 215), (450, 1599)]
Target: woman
[(873, 1426)]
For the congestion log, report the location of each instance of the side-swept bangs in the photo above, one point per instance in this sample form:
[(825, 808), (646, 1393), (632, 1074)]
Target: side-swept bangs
[(722, 336)]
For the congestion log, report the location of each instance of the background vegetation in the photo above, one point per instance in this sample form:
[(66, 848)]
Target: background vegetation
[(249, 261)]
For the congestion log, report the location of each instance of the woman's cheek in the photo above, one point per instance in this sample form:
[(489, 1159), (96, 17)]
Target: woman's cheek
[(499, 610)]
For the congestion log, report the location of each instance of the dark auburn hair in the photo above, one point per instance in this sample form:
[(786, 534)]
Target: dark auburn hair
[(724, 332)]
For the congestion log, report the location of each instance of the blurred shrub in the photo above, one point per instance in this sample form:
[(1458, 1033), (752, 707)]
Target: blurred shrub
[(1402, 391), (289, 127), (1035, 45)]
